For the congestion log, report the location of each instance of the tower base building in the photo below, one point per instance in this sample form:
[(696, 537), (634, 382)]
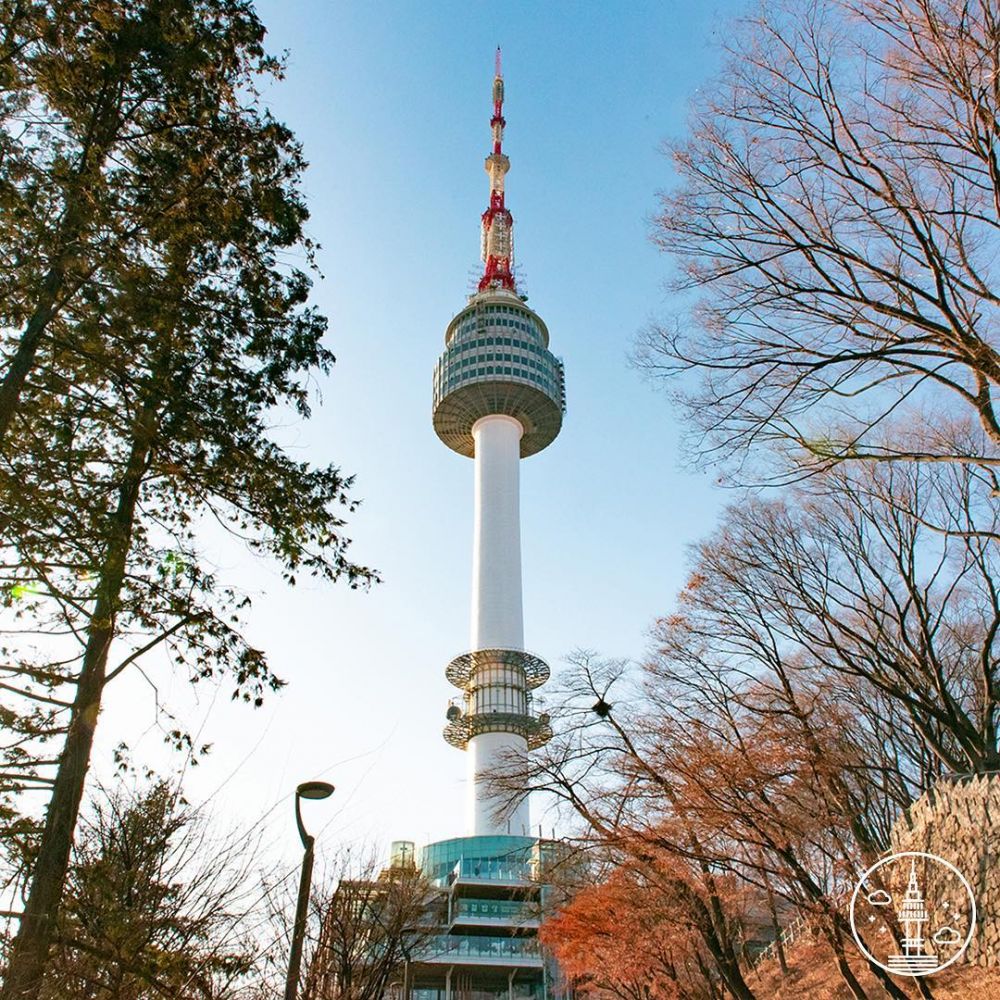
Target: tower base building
[(490, 898)]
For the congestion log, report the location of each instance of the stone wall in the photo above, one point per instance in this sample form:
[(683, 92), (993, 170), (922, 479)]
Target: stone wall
[(959, 820)]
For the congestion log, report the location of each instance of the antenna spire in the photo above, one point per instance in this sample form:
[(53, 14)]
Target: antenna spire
[(498, 223)]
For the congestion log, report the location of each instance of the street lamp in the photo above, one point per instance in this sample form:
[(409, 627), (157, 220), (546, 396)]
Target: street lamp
[(307, 790)]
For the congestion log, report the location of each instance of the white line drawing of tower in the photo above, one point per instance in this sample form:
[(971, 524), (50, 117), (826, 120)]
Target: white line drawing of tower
[(912, 914), (498, 397)]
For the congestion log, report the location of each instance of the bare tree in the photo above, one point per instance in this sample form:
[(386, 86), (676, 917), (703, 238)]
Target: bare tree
[(157, 905), (838, 212), (833, 653), (598, 765), (370, 922), (722, 790), (857, 586)]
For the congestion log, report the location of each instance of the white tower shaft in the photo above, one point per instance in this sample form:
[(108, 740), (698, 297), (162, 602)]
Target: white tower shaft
[(497, 617)]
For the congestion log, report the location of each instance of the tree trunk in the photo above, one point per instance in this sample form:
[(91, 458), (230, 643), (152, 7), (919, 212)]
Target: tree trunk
[(706, 973), (722, 950), (839, 933), (27, 348), (857, 990), (889, 985), (836, 942), (727, 964), (30, 949)]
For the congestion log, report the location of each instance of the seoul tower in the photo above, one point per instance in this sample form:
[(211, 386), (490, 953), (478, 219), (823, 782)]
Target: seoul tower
[(498, 397)]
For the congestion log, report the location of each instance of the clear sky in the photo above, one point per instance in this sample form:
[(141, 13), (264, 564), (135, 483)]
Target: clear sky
[(392, 103)]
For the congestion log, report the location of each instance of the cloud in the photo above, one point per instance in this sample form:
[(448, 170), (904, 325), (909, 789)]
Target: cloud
[(879, 898), (947, 935)]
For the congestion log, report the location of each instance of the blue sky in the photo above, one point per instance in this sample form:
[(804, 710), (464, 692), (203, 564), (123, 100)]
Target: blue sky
[(391, 101)]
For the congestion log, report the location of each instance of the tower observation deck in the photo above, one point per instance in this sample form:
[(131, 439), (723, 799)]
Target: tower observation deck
[(498, 397)]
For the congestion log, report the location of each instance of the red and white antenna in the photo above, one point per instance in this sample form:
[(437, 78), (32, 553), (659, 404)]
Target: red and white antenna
[(498, 223)]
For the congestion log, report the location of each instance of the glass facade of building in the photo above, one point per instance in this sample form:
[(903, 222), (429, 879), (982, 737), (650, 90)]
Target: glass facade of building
[(498, 857), (505, 316), (499, 687), (499, 358), (522, 991), (481, 946), (488, 948)]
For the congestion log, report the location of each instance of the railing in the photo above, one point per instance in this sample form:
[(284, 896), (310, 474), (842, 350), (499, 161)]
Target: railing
[(469, 946), (791, 933), (787, 936), (496, 909), (522, 991), (493, 870)]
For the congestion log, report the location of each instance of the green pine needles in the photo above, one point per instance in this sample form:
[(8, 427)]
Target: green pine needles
[(154, 316)]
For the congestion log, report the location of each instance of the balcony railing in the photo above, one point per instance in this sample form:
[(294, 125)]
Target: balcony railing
[(504, 910), (493, 870), (499, 950), (522, 991)]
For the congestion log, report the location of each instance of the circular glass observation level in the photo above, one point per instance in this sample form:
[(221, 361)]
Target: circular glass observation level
[(530, 671), (496, 361)]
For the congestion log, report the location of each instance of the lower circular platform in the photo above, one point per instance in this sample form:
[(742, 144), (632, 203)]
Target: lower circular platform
[(535, 729)]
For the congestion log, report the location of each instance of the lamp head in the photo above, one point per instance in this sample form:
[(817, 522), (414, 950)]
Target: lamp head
[(314, 790)]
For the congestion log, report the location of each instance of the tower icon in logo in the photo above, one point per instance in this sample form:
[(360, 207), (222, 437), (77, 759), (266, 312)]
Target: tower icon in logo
[(914, 961), (913, 913)]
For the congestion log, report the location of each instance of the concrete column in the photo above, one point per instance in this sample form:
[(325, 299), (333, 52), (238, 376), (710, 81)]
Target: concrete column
[(497, 617)]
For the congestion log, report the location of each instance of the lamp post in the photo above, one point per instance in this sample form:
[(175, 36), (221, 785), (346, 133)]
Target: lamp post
[(307, 790)]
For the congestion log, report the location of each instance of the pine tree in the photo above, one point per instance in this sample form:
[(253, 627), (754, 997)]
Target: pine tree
[(152, 385), (86, 88)]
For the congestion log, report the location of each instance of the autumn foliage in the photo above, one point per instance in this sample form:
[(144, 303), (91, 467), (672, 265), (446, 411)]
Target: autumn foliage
[(624, 938)]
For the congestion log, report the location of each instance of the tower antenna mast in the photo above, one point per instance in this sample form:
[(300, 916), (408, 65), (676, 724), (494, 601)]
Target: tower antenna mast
[(498, 223)]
